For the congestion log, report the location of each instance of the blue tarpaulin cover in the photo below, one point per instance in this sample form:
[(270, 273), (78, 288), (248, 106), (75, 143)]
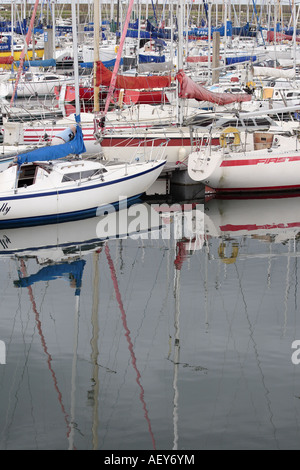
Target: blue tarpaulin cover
[(54, 152), (37, 63)]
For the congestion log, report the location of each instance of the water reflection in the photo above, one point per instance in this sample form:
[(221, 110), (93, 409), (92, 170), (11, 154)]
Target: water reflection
[(274, 219), (119, 342)]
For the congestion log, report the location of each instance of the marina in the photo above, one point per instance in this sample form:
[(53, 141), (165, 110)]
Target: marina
[(149, 226)]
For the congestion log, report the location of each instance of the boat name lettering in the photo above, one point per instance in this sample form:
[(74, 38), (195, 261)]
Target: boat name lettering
[(5, 208)]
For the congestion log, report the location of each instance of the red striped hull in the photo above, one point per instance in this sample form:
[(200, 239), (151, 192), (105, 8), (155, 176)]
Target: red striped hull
[(248, 172)]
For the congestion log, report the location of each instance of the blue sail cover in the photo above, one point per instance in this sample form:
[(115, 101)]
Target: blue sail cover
[(73, 271), (63, 29), (37, 63), (107, 63), (146, 59), (134, 25), (54, 152), (290, 31), (19, 27), (133, 33), (159, 32), (240, 59), (203, 32)]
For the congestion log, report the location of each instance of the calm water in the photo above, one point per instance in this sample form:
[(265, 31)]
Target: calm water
[(153, 343)]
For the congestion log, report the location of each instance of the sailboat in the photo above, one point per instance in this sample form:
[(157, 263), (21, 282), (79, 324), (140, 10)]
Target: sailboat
[(54, 184), (244, 162)]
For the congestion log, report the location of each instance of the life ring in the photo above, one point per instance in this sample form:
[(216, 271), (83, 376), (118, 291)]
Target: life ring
[(116, 49), (234, 253), (230, 130)]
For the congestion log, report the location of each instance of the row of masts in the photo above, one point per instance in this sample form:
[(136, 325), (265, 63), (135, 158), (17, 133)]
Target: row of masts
[(237, 11)]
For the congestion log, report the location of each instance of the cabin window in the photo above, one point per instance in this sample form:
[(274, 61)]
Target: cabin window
[(82, 175), (233, 123), (263, 122), (249, 122), (27, 176)]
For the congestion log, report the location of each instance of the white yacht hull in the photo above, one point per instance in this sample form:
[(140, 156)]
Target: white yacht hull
[(73, 201), (245, 172)]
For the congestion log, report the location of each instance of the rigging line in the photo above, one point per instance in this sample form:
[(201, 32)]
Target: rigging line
[(74, 366), (287, 291), (161, 311), (241, 364), (154, 13), (94, 347), (127, 334), (230, 336), (251, 335), (22, 56), (8, 424), (18, 390), (118, 343), (39, 327), (176, 356), (118, 59), (149, 297)]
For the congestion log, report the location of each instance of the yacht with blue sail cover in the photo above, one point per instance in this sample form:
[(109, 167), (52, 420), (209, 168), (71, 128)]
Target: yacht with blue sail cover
[(55, 184)]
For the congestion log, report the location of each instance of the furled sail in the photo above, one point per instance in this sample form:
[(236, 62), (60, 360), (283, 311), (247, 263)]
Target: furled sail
[(54, 152), (190, 89), (274, 73), (103, 77)]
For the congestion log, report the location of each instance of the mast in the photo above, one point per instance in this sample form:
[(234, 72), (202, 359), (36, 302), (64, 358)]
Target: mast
[(209, 40), (12, 20), (22, 56), (96, 53), (172, 32), (118, 59), (225, 35), (180, 57), (176, 356), (95, 349), (118, 21), (275, 34), (73, 378), (75, 44), (139, 33), (53, 32), (295, 16)]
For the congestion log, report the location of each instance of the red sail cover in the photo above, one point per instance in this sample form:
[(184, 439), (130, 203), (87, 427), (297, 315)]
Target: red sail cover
[(190, 89), (6, 60), (280, 37), (103, 77)]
